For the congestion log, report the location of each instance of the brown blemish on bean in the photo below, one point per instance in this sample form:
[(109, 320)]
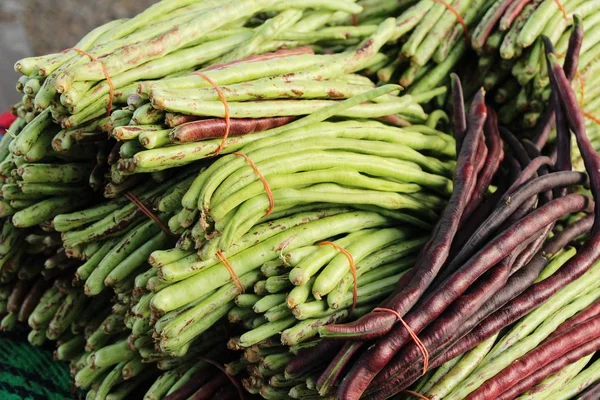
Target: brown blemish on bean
[(335, 94)]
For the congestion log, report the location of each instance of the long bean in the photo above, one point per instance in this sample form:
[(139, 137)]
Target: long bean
[(213, 277)]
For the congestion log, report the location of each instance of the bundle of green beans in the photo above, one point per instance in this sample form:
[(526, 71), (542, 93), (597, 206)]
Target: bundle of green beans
[(149, 130), (512, 64), (277, 318), (429, 42), (377, 176), (99, 336), (113, 359), (506, 36), (109, 351), (265, 364), (458, 377), (92, 336), (30, 261), (37, 183), (363, 178), (170, 39), (175, 37), (318, 194), (283, 85)]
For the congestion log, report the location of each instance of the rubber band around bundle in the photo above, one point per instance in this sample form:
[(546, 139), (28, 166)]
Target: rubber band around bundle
[(354, 19), (111, 86), (591, 117), (350, 259), (225, 105), (262, 179), (562, 9), (142, 207), (415, 394), (227, 264), (235, 383), (459, 17), (412, 334)]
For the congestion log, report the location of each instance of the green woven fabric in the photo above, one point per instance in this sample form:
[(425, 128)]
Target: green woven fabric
[(28, 372)]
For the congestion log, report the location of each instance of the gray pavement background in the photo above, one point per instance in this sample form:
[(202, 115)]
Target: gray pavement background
[(13, 45), (35, 27)]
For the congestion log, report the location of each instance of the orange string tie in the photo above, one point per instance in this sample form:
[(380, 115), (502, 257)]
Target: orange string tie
[(592, 117), (111, 86), (262, 179), (412, 334), (459, 17), (225, 105), (234, 277), (350, 259), (354, 19), (235, 383), (562, 9), (142, 207), (417, 395)]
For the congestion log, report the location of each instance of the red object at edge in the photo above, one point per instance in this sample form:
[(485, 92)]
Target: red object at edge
[(6, 120)]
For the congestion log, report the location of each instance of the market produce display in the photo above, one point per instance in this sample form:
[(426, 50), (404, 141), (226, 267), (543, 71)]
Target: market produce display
[(276, 199)]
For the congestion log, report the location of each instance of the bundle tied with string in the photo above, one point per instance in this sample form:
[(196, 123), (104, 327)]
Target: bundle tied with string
[(561, 7), (226, 110), (459, 18), (352, 267), (412, 334), (147, 212), (166, 301), (260, 176), (111, 86), (234, 277)]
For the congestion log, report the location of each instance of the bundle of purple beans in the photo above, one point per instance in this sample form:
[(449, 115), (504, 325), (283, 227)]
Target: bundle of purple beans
[(480, 271)]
